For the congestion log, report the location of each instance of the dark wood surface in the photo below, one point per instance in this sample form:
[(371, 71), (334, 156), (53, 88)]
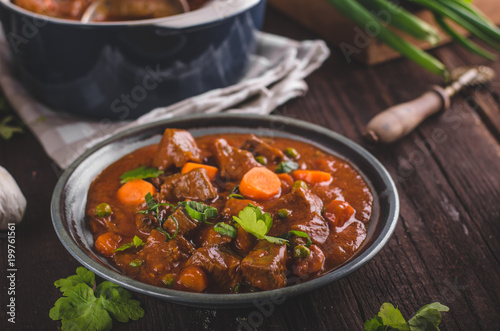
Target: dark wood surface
[(445, 248)]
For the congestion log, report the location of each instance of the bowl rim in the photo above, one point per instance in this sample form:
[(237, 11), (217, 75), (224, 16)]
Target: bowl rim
[(211, 12), (209, 300)]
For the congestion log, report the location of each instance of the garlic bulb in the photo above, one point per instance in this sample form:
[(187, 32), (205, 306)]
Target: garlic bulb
[(12, 200)]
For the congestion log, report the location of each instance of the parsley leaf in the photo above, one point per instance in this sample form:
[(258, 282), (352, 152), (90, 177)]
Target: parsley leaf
[(82, 276), (296, 233), (7, 130), (135, 243), (82, 308), (286, 167), (427, 318), (253, 221), (140, 173)]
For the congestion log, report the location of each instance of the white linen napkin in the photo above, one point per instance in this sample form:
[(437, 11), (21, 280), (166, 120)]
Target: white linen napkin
[(276, 74)]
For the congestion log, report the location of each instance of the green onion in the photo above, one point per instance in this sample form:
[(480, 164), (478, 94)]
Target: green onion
[(236, 196), (404, 20), (361, 16), (261, 159), (199, 211), (291, 152), (466, 43), (299, 184), (225, 230), (286, 167), (103, 210)]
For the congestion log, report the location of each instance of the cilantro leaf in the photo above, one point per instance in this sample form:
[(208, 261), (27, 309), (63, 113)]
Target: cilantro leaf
[(140, 173), (119, 303), (428, 317), (135, 243), (6, 130), (82, 308), (79, 309), (392, 317), (82, 276), (253, 221), (374, 324)]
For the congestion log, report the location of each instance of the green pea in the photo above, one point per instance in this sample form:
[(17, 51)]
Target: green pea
[(291, 152), (261, 159), (301, 251), (298, 184), (103, 210)]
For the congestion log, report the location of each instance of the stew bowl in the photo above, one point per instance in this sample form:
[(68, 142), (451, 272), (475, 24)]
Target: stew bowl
[(70, 195), (121, 70)]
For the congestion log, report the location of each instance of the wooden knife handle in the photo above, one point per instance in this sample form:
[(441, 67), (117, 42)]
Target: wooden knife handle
[(396, 122)]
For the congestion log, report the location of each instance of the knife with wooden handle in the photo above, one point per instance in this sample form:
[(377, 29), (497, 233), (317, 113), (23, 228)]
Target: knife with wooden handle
[(397, 121)]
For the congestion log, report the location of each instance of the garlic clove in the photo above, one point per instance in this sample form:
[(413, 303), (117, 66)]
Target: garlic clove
[(12, 200)]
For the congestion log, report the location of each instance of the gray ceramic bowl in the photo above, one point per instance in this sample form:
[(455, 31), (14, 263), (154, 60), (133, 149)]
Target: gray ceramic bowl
[(70, 195)]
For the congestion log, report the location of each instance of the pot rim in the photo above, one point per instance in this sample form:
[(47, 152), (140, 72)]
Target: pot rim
[(214, 11)]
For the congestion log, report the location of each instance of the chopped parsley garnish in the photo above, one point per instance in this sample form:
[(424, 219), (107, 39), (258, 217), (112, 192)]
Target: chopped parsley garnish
[(236, 196), (140, 173), (286, 167), (253, 221), (225, 230), (427, 318), (135, 243), (83, 308)]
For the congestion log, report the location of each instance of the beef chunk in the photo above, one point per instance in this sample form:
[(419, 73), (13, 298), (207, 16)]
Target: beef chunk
[(234, 206), (194, 185), (233, 162), (222, 265), (184, 222), (209, 237), (258, 147), (160, 257), (265, 266), (304, 215), (176, 148)]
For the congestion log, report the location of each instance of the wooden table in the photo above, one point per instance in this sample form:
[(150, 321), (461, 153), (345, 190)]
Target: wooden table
[(446, 246)]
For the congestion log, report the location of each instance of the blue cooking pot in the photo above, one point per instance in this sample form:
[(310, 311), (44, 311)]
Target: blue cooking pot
[(121, 70)]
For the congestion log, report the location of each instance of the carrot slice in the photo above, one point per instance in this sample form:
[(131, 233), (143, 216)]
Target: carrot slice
[(107, 243), (337, 212), (133, 192), (211, 171), (312, 176), (260, 183), (193, 279)]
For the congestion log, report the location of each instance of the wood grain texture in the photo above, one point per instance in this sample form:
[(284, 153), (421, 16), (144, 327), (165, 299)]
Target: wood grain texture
[(445, 248)]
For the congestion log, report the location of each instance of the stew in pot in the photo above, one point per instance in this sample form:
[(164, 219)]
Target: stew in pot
[(228, 213)]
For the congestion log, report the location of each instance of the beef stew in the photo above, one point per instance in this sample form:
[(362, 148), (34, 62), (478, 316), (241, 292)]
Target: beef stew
[(228, 213)]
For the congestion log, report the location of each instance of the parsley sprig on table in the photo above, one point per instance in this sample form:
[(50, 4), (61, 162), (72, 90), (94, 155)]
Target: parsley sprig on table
[(87, 307), (427, 318)]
